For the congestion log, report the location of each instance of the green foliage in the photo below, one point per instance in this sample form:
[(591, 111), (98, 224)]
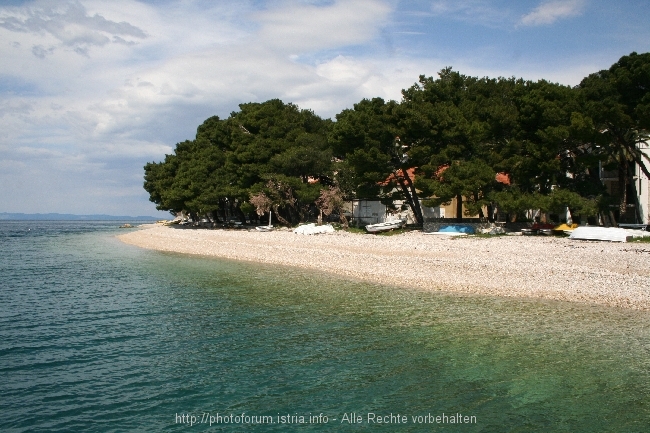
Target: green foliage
[(488, 235), (456, 131), (247, 208), (356, 230), (230, 159), (466, 178), (367, 138), (560, 199), (514, 201), (465, 126), (617, 103), (364, 136)]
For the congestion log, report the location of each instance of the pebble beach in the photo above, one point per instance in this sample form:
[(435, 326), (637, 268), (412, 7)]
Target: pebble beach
[(605, 273)]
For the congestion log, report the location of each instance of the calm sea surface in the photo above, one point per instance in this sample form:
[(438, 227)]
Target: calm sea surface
[(99, 336)]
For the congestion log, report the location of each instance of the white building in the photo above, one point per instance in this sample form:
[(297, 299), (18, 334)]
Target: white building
[(368, 212), (643, 187), (639, 193), (373, 212)]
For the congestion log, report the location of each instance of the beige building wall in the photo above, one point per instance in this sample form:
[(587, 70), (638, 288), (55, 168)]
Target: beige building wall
[(450, 210)]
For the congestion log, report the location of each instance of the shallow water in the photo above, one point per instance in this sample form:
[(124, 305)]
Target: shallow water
[(96, 335)]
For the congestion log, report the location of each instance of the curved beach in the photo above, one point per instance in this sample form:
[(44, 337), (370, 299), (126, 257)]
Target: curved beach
[(614, 274)]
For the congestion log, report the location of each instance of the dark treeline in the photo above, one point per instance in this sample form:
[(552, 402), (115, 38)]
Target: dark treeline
[(450, 137)]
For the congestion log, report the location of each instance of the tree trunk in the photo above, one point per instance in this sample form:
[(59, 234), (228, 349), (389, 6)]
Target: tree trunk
[(344, 221), (241, 214), (612, 219), (459, 208), (411, 196), (224, 210), (622, 182), (279, 217), (480, 209)]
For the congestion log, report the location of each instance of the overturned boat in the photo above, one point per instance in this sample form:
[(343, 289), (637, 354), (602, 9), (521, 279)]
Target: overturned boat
[(313, 229), (611, 234)]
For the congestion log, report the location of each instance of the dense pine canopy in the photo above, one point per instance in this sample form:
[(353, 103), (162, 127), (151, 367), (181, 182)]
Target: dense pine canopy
[(447, 138)]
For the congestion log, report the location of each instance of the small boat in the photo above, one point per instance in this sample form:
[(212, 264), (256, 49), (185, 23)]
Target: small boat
[(384, 227), (468, 230), (313, 229), (564, 228), (265, 228), (611, 234), (446, 233), (539, 229), (543, 229), (454, 230)]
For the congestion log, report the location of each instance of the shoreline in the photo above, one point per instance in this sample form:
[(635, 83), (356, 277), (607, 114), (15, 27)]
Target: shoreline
[(604, 273)]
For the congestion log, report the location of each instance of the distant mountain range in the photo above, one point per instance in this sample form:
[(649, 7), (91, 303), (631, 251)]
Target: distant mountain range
[(71, 217)]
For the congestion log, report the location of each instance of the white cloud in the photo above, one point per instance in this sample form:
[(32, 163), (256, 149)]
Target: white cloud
[(550, 11), (91, 90), (70, 24), (147, 76), (298, 28)]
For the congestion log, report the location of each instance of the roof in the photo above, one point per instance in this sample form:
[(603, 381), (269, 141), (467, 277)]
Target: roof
[(503, 178), (400, 174)]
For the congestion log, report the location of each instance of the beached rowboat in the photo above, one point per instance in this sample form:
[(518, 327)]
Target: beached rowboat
[(265, 228), (384, 227)]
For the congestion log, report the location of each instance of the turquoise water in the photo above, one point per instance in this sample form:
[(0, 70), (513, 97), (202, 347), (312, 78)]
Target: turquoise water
[(99, 336)]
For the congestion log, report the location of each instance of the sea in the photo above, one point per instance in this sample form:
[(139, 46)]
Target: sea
[(99, 336)]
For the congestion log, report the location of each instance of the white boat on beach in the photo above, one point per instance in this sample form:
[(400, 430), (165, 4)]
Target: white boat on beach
[(313, 229), (611, 234), (386, 226), (265, 228)]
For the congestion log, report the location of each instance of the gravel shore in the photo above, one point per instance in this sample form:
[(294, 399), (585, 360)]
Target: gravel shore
[(615, 274)]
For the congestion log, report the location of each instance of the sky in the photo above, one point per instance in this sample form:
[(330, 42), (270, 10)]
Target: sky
[(90, 91)]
